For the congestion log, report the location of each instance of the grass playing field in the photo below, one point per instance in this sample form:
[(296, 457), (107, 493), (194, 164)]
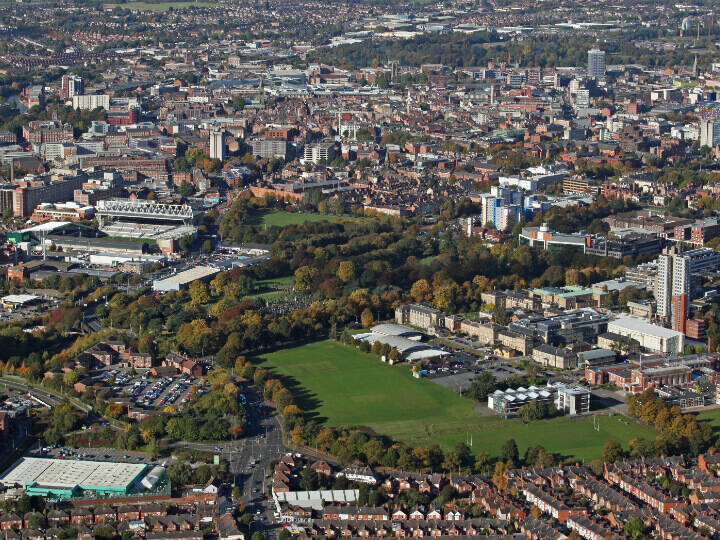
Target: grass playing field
[(281, 218), (342, 386)]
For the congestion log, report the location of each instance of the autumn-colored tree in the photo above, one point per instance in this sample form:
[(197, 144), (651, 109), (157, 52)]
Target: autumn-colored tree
[(420, 290), (499, 478), (147, 345), (114, 410), (195, 337), (199, 293), (346, 271), (298, 435), (366, 318), (292, 410), (304, 277)]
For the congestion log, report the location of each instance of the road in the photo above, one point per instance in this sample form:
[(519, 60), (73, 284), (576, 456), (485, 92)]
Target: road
[(53, 401), (250, 459)]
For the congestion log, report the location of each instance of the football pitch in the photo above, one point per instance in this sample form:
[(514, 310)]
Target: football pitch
[(342, 386)]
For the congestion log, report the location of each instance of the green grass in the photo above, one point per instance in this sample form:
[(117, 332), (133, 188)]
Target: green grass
[(285, 281), (341, 386), (274, 288), (712, 417), (281, 218), (569, 437), (162, 6), (131, 239)]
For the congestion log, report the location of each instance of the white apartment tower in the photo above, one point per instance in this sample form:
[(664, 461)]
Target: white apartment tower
[(217, 145)]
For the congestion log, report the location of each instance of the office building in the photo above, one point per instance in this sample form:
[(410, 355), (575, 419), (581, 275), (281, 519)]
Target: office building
[(544, 238), (45, 131), (596, 64), (579, 325), (29, 194), (420, 316), (536, 178), (632, 244), (650, 336), (568, 399), (217, 144)]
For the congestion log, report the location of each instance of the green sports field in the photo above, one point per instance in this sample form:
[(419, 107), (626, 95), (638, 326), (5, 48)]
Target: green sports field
[(342, 386), (281, 218)]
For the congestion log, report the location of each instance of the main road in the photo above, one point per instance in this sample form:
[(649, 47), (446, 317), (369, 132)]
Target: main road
[(250, 459)]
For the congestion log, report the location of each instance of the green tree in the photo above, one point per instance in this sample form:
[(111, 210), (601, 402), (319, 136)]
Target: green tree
[(500, 316), (509, 452), (482, 386), (186, 189), (635, 527), (612, 451)]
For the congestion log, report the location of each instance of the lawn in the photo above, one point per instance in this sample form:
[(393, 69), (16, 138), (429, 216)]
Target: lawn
[(342, 386), (274, 288), (566, 436), (712, 417), (162, 6), (282, 218)]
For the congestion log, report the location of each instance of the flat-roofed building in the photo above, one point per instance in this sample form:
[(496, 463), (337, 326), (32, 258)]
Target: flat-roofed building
[(67, 478), (182, 280), (650, 336)]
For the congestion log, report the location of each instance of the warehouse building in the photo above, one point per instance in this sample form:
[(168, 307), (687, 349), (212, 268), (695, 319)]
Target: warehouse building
[(65, 479), (183, 280)]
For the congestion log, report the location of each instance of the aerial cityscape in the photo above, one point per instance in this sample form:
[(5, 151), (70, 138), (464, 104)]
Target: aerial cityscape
[(309, 269)]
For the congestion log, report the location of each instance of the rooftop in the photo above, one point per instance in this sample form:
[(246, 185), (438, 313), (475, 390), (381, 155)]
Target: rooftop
[(66, 473), (636, 324), (199, 272)]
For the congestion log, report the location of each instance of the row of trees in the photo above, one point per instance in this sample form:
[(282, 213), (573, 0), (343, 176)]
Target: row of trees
[(678, 433)]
